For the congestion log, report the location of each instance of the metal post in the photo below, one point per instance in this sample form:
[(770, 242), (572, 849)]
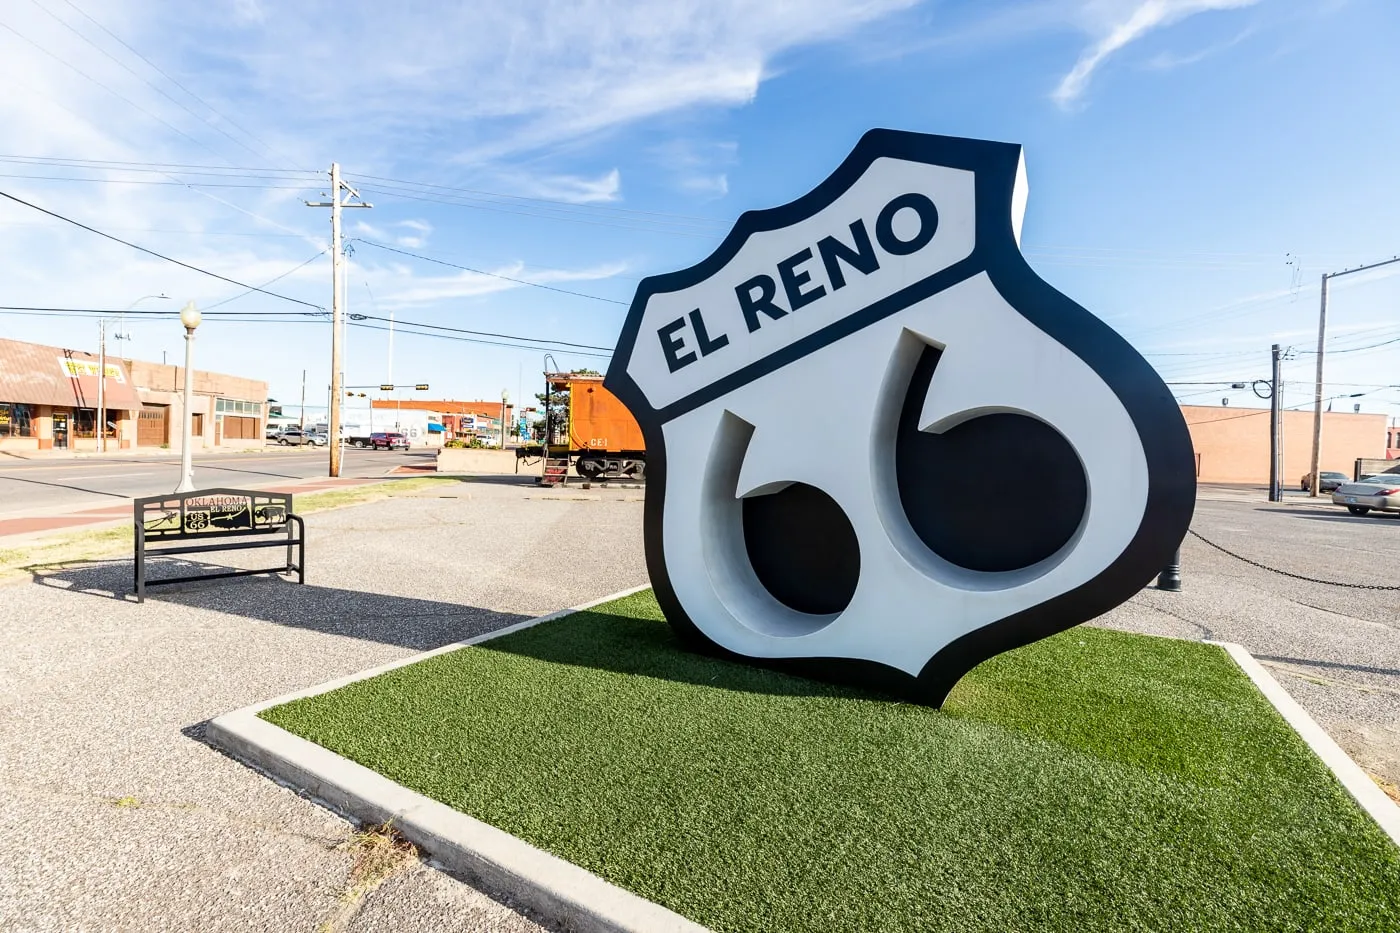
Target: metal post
[(1275, 415), (503, 419), (187, 444), (102, 386), (1317, 393), (303, 401), (1170, 577), (337, 334)]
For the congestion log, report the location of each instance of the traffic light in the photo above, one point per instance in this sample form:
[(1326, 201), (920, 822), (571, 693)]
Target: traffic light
[(421, 387), (386, 387)]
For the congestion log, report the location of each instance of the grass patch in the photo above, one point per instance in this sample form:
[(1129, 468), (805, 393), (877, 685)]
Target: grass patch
[(1094, 781), (19, 562), (328, 499)]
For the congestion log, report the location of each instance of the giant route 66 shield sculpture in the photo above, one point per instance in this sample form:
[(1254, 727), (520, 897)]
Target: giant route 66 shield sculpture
[(879, 446)]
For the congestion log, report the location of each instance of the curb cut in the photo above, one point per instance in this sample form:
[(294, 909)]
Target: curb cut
[(547, 884), (1363, 790)]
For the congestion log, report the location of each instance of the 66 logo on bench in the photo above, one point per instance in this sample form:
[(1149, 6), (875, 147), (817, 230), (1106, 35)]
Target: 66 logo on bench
[(879, 446)]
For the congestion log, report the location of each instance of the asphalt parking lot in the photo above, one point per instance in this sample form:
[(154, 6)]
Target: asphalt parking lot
[(117, 816)]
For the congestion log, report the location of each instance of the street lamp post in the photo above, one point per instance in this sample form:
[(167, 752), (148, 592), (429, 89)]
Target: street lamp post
[(189, 316)]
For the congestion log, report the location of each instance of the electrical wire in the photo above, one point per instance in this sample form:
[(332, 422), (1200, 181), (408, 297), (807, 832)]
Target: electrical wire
[(76, 70), (271, 281), (131, 71), (172, 80), (494, 275), (479, 333), (151, 252)]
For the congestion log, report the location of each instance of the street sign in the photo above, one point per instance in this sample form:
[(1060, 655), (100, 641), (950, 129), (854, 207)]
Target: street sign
[(879, 447)]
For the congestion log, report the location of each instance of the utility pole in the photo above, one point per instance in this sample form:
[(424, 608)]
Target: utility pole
[(337, 309), (303, 401), (1317, 390), (1275, 415), (504, 398), (102, 385)]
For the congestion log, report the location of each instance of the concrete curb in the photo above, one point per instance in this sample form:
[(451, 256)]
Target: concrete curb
[(500, 862), (1372, 799)]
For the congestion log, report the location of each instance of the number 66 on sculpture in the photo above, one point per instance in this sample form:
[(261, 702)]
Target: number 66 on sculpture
[(829, 400)]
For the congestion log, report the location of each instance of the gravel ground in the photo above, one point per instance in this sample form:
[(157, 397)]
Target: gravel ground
[(115, 816)]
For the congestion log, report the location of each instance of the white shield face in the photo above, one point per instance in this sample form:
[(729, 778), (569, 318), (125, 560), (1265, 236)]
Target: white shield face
[(875, 437)]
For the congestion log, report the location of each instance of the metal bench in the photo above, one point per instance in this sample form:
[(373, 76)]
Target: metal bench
[(256, 519)]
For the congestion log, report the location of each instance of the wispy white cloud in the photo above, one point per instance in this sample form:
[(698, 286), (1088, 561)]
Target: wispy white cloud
[(575, 189), (1166, 61), (1118, 24), (429, 289), (714, 186)]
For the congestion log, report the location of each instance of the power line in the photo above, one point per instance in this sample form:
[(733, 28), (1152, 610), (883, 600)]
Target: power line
[(148, 181), (479, 333), (271, 281), (132, 165), (56, 18), (496, 207), (495, 275), (151, 252), (167, 77), (65, 63), (690, 219), (493, 343)]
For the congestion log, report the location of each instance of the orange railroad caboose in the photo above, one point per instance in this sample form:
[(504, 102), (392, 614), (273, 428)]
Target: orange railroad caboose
[(590, 429)]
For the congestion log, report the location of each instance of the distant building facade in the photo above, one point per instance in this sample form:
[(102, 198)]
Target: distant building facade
[(459, 419), (49, 401), (1232, 444)]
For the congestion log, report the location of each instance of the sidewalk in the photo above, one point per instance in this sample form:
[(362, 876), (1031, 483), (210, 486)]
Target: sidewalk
[(137, 452), (107, 516), (115, 815)]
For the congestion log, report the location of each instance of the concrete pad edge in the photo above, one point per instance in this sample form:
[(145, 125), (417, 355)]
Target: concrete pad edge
[(500, 862), (1372, 799)]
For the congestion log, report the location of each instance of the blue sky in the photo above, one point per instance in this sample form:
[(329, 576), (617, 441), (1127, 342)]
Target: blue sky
[(1194, 166)]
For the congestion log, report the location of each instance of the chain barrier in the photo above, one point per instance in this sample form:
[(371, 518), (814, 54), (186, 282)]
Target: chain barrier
[(1286, 573)]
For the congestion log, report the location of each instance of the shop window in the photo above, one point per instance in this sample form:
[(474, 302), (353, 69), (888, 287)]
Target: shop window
[(85, 422), (16, 420)]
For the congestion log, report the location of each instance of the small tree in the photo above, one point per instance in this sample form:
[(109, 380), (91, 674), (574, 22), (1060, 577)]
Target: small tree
[(557, 404)]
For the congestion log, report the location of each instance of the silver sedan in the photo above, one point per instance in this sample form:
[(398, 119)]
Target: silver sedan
[(1380, 493)]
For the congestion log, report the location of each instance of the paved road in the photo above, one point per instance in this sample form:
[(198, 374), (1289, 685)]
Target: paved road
[(53, 486), (114, 815)]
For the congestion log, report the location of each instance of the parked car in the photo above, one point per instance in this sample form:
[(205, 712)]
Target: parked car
[(1330, 481), (295, 437), (272, 433), (387, 440), (1380, 493), (319, 438)]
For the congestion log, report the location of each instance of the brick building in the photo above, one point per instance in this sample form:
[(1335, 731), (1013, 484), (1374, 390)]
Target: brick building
[(48, 401), (1232, 444), (459, 419)]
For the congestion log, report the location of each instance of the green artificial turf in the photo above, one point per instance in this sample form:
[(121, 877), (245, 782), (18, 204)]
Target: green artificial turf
[(1094, 781)]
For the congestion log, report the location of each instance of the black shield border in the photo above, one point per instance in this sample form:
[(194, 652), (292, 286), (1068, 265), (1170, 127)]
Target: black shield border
[(1154, 412)]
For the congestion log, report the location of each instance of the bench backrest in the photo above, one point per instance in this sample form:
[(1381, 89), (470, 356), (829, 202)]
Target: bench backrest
[(211, 513)]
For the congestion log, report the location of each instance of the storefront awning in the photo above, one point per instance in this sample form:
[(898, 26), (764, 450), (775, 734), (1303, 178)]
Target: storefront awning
[(36, 374)]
